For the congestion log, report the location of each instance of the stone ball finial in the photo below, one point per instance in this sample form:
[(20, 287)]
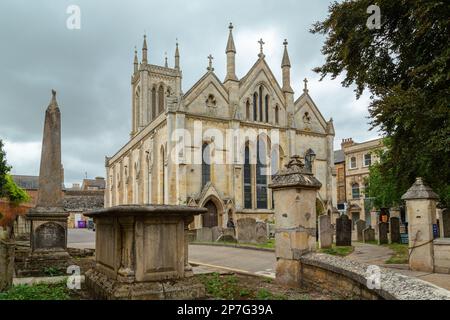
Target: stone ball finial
[(53, 93), (295, 162)]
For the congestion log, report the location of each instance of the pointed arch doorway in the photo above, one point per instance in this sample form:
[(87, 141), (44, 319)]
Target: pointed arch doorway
[(210, 219)]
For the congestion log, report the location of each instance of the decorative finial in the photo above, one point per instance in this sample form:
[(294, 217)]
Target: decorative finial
[(165, 60), (210, 68), (305, 89), (295, 162), (261, 43), (53, 103), (230, 26), (285, 43)]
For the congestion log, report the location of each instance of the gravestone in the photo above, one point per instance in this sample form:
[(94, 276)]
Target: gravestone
[(246, 230), (261, 232), (360, 226), (343, 231), (49, 235), (383, 228), (394, 225), (446, 223), (369, 234), (204, 235), (325, 232)]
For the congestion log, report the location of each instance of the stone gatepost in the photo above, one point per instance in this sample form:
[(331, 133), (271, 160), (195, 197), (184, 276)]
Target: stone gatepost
[(295, 193), (141, 253), (421, 210), (7, 250)]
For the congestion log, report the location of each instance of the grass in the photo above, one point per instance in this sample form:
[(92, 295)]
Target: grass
[(338, 251), (401, 253), (228, 287), (58, 291), (52, 272), (223, 287)]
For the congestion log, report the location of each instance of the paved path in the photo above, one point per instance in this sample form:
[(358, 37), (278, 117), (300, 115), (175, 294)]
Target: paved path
[(377, 255), (369, 253), (244, 260), (81, 238)]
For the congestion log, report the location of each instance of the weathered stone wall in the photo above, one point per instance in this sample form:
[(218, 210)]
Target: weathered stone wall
[(348, 279), (442, 255)]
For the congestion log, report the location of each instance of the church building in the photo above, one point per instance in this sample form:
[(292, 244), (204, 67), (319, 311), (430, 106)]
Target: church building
[(218, 144)]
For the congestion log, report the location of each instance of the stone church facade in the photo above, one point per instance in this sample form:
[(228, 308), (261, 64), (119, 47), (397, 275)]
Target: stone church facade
[(217, 145)]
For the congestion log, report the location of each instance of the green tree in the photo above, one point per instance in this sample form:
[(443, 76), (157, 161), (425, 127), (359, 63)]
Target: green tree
[(405, 65), (4, 169), (381, 182), (8, 188)]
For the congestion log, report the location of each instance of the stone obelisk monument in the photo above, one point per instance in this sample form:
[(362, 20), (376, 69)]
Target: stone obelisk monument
[(48, 238)]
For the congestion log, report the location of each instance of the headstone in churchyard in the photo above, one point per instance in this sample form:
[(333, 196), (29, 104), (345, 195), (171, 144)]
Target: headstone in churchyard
[(246, 230), (368, 234), (343, 231), (204, 235), (394, 231), (360, 226), (383, 232), (261, 232), (325, 231), (446, 223)]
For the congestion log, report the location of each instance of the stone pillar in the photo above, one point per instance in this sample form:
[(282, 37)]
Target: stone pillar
[(48, 239), (421, 210), (7, 251), (295, 193)]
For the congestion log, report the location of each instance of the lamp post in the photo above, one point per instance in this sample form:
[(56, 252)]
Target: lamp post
[(309, 159)]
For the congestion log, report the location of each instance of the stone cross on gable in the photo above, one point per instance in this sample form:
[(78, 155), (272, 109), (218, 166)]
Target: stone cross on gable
[(210, 58), (261, 43), (305, 89)]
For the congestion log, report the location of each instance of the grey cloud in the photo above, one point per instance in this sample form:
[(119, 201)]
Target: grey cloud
[(91, 68)]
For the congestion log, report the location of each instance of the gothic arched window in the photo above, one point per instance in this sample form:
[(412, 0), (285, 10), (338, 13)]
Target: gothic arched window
[(277, 116), (267, 107), (153, 103), (261, 174), (255, 106), (260, 104), (355, 191), (160, 99), (206, 164), (247, 110), (247, 180)]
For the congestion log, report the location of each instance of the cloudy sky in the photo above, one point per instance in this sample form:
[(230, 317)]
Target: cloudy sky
[(91, 67)]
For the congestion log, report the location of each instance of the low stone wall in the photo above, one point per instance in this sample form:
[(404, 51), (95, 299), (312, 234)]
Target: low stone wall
[(442, 255), (348, 279)]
